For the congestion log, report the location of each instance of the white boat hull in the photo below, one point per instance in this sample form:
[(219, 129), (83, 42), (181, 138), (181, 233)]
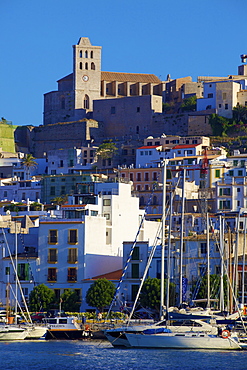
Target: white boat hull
[(36, 332), (12, 333), (182, 341)]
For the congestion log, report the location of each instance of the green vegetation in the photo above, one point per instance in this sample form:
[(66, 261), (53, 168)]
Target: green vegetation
[(58, 201), (222, 126), (28, 162), (106, 150), (100, 294), (214, 288), (150, 293), (69, 300), (189, 104), (41, 298)]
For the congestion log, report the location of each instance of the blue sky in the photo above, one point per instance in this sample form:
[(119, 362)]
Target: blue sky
[(183, 38)]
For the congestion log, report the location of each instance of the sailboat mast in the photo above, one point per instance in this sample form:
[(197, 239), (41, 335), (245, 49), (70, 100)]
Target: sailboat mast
[(208, 265), (243, 261), (16, 268), (169, 257), (162, 283), (221, 264), (182, 241)]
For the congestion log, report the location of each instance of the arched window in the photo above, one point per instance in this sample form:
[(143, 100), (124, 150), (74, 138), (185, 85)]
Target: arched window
[(93, 66), (86, 102), (86, 54), (80, 65), (86, 65), (62, 102), (91, 54), (80, 53)]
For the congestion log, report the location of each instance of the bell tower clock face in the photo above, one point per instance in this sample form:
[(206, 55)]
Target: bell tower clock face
[(85, 78)]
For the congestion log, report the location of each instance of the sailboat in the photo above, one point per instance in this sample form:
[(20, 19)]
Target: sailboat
[(31, 331), (162, 335)]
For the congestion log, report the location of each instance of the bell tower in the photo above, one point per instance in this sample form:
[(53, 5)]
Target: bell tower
[(86, 73)]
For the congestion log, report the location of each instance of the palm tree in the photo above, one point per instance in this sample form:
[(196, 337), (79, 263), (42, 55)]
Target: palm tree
[(29, 162)]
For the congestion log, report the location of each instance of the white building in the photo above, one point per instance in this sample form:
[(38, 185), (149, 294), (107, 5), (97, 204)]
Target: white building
[(87, 240)]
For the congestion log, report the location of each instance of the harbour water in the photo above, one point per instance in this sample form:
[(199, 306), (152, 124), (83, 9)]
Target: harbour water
[(96, 355)]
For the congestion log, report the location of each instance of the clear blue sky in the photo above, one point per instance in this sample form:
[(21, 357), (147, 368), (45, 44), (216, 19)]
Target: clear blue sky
[(183, 38)]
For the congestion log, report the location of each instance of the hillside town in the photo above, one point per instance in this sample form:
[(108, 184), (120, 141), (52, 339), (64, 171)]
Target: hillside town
[(78, 192)]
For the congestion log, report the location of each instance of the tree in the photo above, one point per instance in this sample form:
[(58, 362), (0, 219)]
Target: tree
[(28, 162), (240, 113), (150, 293), (106, 150), (214, 288), (41, 298), (60, 200), (189, 104), (219, 124), (70, 301), (100, 294)]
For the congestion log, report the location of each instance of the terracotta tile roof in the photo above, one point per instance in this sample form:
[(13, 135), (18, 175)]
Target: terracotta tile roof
[(185, 146), (131, 77), (149, 147), (122, 77), (114, 275)]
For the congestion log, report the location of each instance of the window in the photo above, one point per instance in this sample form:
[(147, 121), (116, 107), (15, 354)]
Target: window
[(53, 237), (224, 96), (135, 270), (62, 103), (137, 129), (113, 110), (52, 255), (57, 294), (238, 190), (86, 65), (73, 236), (210, 95), (52, 274), (23, 197), (138, 178), (80, 65), (93, 66), (86, 102), (136, 253), (72, 274), (91, 54), (86, 54), (5, 194), (240, 173), (106, 202), (155, 176), (61, 163), (107, 216), (225, 191), (63, 190), (235, 162), (203, 248), (138, 109), (231, 173), (80, 53), (72, 255), (217, 173), (146, 176), (52, 190), (134, 290), (23, 271), (226, 106), (225, 204)]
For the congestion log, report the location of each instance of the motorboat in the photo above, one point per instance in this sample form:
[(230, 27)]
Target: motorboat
[(12, 332), (65, 327)]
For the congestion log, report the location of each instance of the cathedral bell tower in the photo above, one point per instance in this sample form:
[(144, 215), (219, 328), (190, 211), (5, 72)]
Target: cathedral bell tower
[(86, 73)]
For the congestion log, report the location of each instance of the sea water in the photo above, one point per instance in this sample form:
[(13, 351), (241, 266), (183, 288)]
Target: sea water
[(95, 355)]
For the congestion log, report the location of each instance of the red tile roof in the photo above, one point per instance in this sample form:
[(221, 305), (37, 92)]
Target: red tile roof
[(185, 146), (149, 147)]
